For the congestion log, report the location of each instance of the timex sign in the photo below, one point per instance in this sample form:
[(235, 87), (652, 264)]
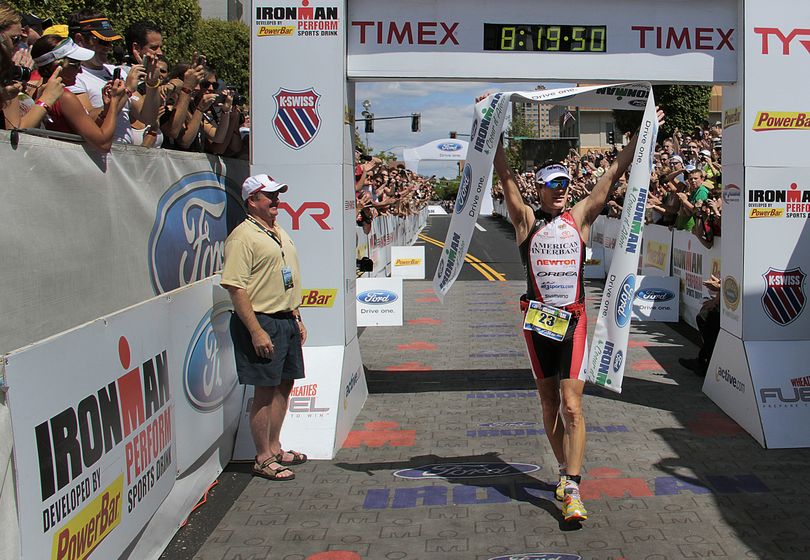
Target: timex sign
[(406, 32), (786, 41)]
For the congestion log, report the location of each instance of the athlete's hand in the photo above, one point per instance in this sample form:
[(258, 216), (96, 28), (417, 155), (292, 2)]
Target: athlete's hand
[(262, 344)]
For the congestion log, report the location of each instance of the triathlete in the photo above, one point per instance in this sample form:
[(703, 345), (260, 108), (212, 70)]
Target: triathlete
[(552, 247)]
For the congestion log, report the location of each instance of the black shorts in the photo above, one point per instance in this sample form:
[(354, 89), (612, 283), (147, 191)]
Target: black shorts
[(287, 361), (566, 358)]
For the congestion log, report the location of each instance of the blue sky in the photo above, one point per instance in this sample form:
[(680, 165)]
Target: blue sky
[(444, 106)]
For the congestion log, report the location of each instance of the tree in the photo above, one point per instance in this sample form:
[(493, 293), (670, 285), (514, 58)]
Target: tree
[(685, 106), (226, 45), (518, 129)]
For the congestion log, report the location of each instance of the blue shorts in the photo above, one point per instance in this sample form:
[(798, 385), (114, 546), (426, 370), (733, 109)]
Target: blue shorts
[(287, 361)]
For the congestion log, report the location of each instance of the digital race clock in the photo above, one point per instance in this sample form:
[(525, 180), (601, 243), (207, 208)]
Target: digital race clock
[(545, 38)]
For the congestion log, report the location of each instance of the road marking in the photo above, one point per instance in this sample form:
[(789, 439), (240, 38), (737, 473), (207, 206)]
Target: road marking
[(486, 271), (479, 227)]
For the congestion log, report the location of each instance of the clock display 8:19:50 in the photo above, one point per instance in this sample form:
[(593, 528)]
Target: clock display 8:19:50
[(545, 38)]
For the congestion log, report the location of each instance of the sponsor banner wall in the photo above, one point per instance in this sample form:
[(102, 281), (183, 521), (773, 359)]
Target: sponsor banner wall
[(781, 381), (163, 226), (693, 263), (655, 260), (776, 119), (379, 302), (402, 40), (321, 411), (728, 383), (775, 281), (408, 262), (656, 299)]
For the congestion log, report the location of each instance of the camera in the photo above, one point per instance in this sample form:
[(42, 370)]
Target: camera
[(365, 265), (18, 74)]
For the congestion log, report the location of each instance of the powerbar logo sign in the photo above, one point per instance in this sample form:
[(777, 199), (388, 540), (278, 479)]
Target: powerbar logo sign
[(783, 299), (452, 471), (723, 374), (303, 21), (193, 218), (296, 121), (126, 427), (485, 132), (773, 120), (793, 203), (206, 384), (407, 262), (318, 297)]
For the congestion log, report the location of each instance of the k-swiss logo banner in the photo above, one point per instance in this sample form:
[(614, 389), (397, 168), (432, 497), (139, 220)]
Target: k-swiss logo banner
[(784, 297), (297, 121), (613, 325)]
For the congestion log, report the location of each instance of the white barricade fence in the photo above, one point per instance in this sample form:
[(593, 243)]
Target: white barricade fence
[(693, 263), (657, 251), (107, 416), (388, 231)]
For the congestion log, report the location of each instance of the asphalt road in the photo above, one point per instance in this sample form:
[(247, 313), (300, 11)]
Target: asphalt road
[(493, 244)]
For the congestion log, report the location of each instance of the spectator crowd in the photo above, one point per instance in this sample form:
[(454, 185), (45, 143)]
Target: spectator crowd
[(62, 77)]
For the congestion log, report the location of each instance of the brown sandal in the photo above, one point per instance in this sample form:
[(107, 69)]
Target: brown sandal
[(264, 470), (298, 458)]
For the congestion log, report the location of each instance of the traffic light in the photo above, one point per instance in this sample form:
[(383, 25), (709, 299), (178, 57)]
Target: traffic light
[(369, 122), (453, 134), (611, 137), (415, 122)]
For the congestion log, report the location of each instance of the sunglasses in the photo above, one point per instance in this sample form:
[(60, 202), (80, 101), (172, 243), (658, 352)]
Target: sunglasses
[(558, 183), (270, 196), (206, 85)]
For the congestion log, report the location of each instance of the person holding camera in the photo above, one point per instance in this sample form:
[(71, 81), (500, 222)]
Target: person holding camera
[(691, 200), (20, 110)]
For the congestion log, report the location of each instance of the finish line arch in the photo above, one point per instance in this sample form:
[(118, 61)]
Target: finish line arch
[(303, 133)]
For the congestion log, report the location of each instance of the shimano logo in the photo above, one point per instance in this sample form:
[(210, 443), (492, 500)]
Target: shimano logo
[(193, 219), (206, 384), (376, 297), (449, 147), (624, 300), (466, 470), (654, 294), (464, 188)]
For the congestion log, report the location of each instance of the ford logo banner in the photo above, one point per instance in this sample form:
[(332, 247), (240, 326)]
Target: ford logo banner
[(207, 384), (449, 146), (654, 294), (624, 300), (376, 297), (449, 471), (464, 188)]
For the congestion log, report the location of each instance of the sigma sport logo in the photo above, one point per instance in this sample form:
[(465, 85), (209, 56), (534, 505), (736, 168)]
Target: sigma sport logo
[(450, 471), (784, 43), (207, 384), (376, 297), (538, 556), (464, 188), (296, 121), (731, 194), (318, 297), (304, 21), (450, 147), (193, 218), (624, 300), (784, 299), (654, 294)]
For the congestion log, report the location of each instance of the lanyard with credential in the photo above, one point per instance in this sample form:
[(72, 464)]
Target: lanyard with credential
[(271, 235)]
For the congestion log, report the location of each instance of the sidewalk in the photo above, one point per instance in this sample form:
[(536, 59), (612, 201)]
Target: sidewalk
[(668, 477)]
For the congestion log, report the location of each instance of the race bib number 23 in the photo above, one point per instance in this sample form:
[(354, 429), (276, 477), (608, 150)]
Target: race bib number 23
[(547, 320)]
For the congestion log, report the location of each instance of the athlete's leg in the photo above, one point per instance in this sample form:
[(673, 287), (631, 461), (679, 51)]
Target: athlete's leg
[(549, 390), (574, 420)]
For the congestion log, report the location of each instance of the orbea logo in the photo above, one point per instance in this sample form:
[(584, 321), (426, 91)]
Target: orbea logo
[(464, 188), (466, 470), (207, 385), (376, 297), (654, 294), (193, 219), (624, 300), (449, 146)]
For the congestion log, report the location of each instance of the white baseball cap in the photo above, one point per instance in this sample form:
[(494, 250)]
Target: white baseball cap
[(262, 182)]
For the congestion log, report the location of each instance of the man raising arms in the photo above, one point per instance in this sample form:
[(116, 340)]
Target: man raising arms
[(551, 242)]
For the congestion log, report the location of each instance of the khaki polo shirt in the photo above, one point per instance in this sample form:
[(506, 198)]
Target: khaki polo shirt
[(253, 261)]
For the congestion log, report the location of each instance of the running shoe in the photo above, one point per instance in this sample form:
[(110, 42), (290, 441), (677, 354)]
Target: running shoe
[(559, 492), (573, 508)]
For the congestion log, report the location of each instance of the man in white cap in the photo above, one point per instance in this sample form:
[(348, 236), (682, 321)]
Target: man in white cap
[(261, 273), (551, 242)]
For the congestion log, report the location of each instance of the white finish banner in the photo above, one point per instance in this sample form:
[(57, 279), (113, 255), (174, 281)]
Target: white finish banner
[(379, 302), (408, 262), (656, 299)]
